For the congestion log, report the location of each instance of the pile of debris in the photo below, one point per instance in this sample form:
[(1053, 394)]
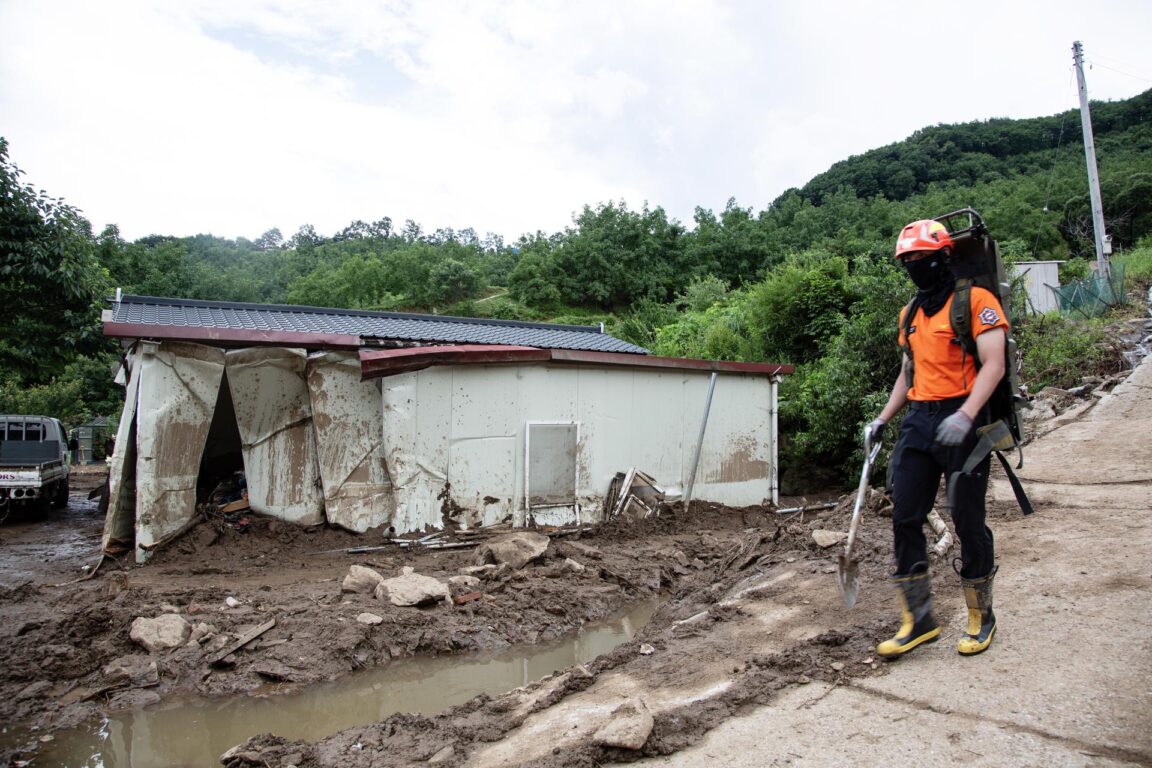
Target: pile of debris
[(633, 494)]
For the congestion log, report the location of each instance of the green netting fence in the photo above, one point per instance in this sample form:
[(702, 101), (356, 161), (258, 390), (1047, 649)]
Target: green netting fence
[(1093, 295)]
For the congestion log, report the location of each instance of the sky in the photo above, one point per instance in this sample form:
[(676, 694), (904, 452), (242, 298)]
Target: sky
[(233, 117)]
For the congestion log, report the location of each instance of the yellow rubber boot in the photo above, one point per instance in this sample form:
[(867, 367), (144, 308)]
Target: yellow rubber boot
[(981, 619), (918, 625)]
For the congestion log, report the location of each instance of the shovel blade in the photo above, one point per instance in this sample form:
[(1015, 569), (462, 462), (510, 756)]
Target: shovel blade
[(848, 578)]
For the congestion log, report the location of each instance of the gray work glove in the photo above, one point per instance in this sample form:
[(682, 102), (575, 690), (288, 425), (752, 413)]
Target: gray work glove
[(954, 429), (875, 430)]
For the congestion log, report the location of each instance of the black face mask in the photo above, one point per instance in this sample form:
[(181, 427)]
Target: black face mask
[(934, 278), (928, 273)]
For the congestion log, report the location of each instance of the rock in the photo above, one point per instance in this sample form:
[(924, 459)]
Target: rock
[(628, 727), (161, 633), (369, 619), (134, 698), (838, 666), (581, 672), (242, 756), (140, 671), (443, 756), (572, 566), (459, 585), (825, 539), (361, 578), (412, 589), (213, 644), (584, 550), (270, 669), (516, 549), (201, 633), (231, 602), (1040, 411), (646, 649), (480, 571)]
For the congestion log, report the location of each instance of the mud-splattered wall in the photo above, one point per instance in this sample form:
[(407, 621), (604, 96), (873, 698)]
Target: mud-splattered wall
[(455, 437)]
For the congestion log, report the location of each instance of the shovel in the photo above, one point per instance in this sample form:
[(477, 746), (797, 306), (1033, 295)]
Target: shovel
[(847, 572)]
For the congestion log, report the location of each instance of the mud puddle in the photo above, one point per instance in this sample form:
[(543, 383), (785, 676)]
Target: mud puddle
[(195, 732)]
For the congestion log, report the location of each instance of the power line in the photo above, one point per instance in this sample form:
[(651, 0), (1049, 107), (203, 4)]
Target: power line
[(1118, 71)]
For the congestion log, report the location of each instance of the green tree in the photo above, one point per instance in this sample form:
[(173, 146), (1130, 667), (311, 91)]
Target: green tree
[(51, 286), (449, 281), (615, 257), (800, 307)]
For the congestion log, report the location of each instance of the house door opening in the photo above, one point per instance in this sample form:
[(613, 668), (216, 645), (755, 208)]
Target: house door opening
[(221, 477)]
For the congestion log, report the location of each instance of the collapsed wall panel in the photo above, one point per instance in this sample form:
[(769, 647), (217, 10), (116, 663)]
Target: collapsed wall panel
[(178, 388), (274, 417), (349, 427), (120, 519)]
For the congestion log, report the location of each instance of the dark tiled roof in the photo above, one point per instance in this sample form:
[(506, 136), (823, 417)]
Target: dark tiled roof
[(232, 321)]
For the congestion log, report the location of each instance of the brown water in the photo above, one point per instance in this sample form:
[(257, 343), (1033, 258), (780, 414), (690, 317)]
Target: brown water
[(197, 732)]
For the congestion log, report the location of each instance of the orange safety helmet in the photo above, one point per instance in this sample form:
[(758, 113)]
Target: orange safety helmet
[(923, 235)]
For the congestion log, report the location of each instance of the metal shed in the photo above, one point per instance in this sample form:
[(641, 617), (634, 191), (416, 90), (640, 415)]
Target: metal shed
[(1041, 283), (418, 422), (91, 441)]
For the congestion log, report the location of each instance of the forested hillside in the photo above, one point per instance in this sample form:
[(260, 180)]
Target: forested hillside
[(808, 280)]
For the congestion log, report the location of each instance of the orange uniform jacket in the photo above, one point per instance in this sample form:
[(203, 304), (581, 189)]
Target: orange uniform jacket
[(943, 369)]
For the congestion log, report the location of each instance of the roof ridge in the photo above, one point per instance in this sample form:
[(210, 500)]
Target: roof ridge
[(307, 309)]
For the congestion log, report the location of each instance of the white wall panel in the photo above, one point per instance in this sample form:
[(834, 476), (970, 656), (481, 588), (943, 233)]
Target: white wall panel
[(416, 427), (349, 427), (465, 426), (179, 384), (274, 417)]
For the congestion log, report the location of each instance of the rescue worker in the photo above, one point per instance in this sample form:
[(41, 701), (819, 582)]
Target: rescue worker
[(946, 392)]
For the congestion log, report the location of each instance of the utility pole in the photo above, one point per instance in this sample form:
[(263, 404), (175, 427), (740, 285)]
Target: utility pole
[(1103, 242)]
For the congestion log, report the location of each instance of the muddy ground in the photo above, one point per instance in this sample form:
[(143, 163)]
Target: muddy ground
[(61, 637), (68, 658)]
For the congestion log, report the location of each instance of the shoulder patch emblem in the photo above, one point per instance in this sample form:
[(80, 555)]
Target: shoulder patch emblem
[(989, 316)]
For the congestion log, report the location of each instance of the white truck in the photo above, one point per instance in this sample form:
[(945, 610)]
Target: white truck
[(33, 463)]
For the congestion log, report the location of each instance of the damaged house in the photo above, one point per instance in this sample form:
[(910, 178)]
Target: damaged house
[(417, 422)]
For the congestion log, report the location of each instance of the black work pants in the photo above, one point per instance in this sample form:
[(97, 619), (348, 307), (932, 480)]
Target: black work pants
[(918, 463)]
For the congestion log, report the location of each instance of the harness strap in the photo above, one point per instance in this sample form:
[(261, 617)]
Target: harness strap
[(994, 438)]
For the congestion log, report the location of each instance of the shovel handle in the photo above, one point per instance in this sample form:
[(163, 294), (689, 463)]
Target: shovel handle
[(870, 453)]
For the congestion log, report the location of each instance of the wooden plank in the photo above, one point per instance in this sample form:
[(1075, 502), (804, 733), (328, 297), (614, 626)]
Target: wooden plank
[(235, 506), (242, 641)]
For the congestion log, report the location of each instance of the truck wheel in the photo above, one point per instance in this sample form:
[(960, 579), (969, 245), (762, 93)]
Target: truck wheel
[(60, 499)]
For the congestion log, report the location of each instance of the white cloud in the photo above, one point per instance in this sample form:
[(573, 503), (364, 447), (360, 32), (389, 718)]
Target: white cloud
[(231, 117)]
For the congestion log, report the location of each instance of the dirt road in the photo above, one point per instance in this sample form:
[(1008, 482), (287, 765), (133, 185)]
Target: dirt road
[(1067, 681), (751, 659)]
